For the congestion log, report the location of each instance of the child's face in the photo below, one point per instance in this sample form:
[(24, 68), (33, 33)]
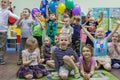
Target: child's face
[(63, 41), (52, 16), (57, 40), (115, 37), (47, 41), (38, 14), (31, 50), (4, 4), (76, 22), (100, 33), (91, 19), (67, 22), (26, 13), (86, 52)]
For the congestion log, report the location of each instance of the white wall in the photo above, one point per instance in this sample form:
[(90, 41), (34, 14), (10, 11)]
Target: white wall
[(85, 4)]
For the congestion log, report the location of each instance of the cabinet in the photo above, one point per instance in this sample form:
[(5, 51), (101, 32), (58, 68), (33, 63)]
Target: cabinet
[(11, 44)]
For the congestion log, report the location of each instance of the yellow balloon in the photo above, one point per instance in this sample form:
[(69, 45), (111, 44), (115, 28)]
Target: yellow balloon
[(61, 8)]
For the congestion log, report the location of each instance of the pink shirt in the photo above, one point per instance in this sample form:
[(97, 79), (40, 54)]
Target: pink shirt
[(112, 52), (87, 67)]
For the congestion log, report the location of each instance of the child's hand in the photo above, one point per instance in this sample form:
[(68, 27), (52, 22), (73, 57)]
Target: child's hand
[(21, 15), (33, 59)]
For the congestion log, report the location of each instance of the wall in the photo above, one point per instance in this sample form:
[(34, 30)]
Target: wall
[(85, 4)]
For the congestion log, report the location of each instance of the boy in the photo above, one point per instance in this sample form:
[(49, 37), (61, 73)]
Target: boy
[(65, 58), (4, 14)]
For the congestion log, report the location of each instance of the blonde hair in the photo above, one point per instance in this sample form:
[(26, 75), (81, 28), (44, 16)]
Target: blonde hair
[(31, 42), (65, 34)]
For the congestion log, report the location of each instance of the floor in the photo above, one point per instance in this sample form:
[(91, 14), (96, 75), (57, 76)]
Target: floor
[(8, 71)]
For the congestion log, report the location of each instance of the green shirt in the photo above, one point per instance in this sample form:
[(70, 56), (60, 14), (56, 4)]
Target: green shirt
[(37, 30)]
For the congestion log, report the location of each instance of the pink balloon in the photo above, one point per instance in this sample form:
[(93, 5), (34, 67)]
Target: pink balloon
[(76, 10)]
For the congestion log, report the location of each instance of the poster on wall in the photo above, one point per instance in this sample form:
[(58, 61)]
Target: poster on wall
[(114, 15), (105, 21)]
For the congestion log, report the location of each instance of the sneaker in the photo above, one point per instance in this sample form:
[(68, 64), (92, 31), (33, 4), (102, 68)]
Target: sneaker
[(2, 62), (116, 66), (77, 75), (19, 62)]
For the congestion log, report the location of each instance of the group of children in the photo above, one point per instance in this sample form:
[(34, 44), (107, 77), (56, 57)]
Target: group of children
[(59, 51)]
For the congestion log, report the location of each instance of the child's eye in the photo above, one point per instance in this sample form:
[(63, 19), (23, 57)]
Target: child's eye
[(65, 40)]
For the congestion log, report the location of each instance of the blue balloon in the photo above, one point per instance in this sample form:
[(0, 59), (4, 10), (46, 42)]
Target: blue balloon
[(43, 11), (52, 6), (44, 3)]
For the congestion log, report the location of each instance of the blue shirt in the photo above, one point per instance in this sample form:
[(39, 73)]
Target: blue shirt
[(102, 45), (76, 31), (59, 54)]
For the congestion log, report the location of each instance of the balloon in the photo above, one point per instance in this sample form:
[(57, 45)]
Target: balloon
[(34, 10), (52, 6), (69, 4), (61, 8), (44, 3), (76, 10), (43, 11)]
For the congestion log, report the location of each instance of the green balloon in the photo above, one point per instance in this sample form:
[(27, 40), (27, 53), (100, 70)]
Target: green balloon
[(69, 4)]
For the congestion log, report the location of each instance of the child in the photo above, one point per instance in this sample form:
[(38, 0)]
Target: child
[(87, 62), (76, 35), (26, 29), (65, 58), (38, 29), (67, 27), (31, 60), (114, 51), (4, 14), (51, 61), (46, 49), (100, 45), (92, 24), (52, 25)]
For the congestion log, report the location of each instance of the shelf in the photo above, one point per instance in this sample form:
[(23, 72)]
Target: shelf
[(11, 44)]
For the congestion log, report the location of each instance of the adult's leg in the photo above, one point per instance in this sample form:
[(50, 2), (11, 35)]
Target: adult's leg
[(3, 38)]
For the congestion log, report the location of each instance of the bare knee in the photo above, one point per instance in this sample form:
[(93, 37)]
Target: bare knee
[(29, 76), (64, 76), (66, 58), (107, 66)]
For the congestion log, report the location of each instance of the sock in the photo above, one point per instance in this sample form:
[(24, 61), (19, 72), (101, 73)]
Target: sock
[(76, 70)]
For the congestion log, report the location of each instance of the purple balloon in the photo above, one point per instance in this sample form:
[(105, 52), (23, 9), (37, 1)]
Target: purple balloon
[(34, 10), (76, 10)]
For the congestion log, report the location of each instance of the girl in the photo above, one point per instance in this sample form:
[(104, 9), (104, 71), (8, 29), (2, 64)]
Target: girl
[(31, 60), (37, 30), (26, 29), (100, 45), (92, 24), (87, 62), (114, 51), (46, 50)]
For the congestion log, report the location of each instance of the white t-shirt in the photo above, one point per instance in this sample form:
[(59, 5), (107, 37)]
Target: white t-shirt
[(4, 14), (31, 55)]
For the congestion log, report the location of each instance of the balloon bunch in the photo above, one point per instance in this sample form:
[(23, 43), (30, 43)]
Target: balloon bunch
[(61, 7), (69, 5)]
